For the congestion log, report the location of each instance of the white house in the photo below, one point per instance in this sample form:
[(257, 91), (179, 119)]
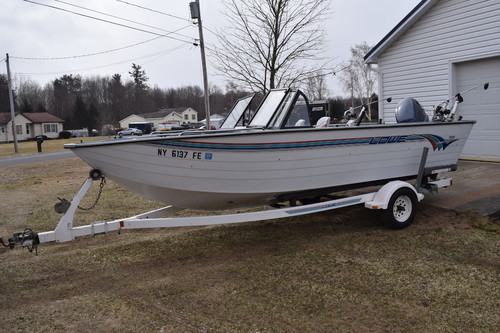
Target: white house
[(183, 115), (30, 125), (440, 48), (215, 120)]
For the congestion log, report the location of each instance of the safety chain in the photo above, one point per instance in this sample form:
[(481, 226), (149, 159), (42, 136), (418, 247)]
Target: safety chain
[(101, 186), (29, 240)]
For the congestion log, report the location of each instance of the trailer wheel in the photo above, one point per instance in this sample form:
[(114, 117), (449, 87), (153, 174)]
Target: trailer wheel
[(401, 209)]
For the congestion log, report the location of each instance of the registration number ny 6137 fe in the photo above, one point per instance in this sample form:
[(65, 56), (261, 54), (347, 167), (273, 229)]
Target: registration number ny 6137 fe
[(195, 155)]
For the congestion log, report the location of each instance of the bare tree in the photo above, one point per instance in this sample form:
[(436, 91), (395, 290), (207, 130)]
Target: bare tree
[(357, 78), (66, 89), (29, 94), (4, 94), (117, 99), (272, 43), (316, 87)]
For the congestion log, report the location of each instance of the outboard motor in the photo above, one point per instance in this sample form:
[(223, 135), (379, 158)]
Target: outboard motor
[(409, 110)]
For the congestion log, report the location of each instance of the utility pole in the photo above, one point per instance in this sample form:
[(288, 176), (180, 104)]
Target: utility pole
[(196, 14), (12, 112)]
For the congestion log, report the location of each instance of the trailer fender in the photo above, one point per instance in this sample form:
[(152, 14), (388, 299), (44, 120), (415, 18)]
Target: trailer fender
[(382, 197)]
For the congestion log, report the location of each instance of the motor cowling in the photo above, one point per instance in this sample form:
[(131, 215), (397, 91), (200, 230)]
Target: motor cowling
[(409, 110)]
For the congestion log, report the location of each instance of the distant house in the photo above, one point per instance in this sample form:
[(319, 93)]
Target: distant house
[(30, 125), (215, 120), (183, 115), (440, 48)]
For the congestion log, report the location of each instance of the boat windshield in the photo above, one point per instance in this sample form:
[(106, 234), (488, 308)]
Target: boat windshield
[(236, 114), (267, 108), (299, 115), (278, 117), (293, 112)]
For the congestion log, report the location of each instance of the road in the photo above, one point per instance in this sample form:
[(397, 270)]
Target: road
[(34, 158)]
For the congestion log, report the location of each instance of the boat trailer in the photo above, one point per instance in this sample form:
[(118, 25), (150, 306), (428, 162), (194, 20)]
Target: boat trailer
[(397, 199)]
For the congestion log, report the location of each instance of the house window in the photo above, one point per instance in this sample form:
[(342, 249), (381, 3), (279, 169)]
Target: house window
[(186, 117), (193, 117), (19, 129), (50, 128), (27, 128), (3, 129)]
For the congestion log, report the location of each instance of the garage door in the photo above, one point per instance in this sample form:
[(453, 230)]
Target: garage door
[(481, 106)]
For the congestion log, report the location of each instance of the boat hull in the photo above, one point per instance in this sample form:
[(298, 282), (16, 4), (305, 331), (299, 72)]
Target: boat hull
[(223, 170)]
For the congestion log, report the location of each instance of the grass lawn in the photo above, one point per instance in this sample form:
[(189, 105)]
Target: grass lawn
[(339, 271), (30, 147)]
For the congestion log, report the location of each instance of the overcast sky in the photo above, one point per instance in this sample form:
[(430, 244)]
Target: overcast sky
[(29, 30)]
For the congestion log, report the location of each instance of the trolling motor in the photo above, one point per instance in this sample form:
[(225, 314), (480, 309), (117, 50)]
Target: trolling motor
[(441, 111)]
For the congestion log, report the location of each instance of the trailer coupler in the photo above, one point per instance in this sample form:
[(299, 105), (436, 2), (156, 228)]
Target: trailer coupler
[(28, 239)]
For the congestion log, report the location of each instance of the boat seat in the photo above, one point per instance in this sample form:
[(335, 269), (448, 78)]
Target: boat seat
[(300, 123), (323, 122)]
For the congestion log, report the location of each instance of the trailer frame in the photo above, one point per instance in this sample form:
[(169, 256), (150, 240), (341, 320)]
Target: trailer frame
[(397, 198)]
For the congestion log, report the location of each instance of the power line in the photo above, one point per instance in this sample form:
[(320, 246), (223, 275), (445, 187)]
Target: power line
[(85, 55), (153, 10), (161, 53), (92, 54), (213, 33), (117, 17), (110, 22)]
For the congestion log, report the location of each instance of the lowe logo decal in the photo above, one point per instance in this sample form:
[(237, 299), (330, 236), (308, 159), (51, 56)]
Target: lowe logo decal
[(388, 139)]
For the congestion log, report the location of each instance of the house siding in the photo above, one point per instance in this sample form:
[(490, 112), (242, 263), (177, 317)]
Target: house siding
[(418, 63), (131, 119), (173, 116), (7, 135), (35, 122), (192, 116)]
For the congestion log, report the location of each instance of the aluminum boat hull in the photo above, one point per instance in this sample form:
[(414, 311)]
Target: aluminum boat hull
[(241, 168)]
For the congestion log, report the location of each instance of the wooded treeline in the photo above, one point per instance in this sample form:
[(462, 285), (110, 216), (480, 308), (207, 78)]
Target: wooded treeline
[(95, 101)]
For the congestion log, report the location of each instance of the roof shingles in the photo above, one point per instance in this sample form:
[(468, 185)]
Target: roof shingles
[(34, 117)]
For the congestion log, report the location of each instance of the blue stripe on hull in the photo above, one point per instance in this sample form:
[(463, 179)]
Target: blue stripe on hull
[(437, 142)]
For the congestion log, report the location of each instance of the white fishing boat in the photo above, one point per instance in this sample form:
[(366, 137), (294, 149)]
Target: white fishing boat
[(279, 156)]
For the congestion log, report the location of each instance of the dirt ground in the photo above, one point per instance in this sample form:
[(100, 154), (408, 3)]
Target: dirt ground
[(335, 271)]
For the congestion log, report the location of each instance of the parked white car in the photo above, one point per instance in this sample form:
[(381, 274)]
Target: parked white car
[(130, 131)]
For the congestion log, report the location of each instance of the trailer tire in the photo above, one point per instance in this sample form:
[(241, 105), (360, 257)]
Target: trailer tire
[(401, 209)]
